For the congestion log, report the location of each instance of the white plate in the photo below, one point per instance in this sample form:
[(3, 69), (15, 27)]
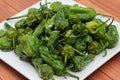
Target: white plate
[(29, 72)]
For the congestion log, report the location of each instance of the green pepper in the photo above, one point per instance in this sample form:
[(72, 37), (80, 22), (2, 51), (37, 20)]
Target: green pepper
[(11, 32), (61, 23), (85, 14), (34, 13), (54, 35), (83, 33), (56, 64), (88, 39), (40, 28), (29, 44), (70, 37), (2, 33), (95, 47), (80, 45), (49, 25), (92, 27), (45, 71), (36, 62), (33, 17), (67, 52), (6, 44), (55, 6), (101, 28), (77, 28), (22, 55), (111, 37), (21, 23), (73, 18), (79, 62)]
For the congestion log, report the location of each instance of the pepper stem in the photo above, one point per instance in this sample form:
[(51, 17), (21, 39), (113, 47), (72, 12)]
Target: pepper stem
[(111, 22), (17, 17), (72, 75), (79, 53), (104, 22), (105, 51), (103, 14)]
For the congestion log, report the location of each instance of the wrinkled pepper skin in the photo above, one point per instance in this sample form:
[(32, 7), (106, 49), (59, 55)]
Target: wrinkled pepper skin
[(29, 44), (85, 14), (80, 62), (92, 27), (49, 25), (67, 52), (34, 13), (2, 33), (55, 6), (88, 39), (77, 28), (80, 45), (70, 37), (40, 28), (57, 64), (95, 47), (111, 37), (54, 35), (20, 24), (45, 71), (18, 52), (60, 22), (6, 44), (11, 32)]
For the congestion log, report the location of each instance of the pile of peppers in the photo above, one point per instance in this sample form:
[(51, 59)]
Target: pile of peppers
[(58, 38)]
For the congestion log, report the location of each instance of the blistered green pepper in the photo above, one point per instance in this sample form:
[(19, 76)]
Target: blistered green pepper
[(18, 51), (92, 27), (49, 25), (77, 28), (55, 63), (61, 23), (34, 13), (80, 45), (21, 23), (70, 37), (95, 47), (88, 39), (11, 32), (85, 14), (40, 28), (45, 71), (29, 44), (54, 35), (67, 52), (2, 33), (55, 6), (111, 37), (6, 44), (79, 62)]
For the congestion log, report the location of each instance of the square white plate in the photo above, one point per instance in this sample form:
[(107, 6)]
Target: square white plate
[(29, 72)]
